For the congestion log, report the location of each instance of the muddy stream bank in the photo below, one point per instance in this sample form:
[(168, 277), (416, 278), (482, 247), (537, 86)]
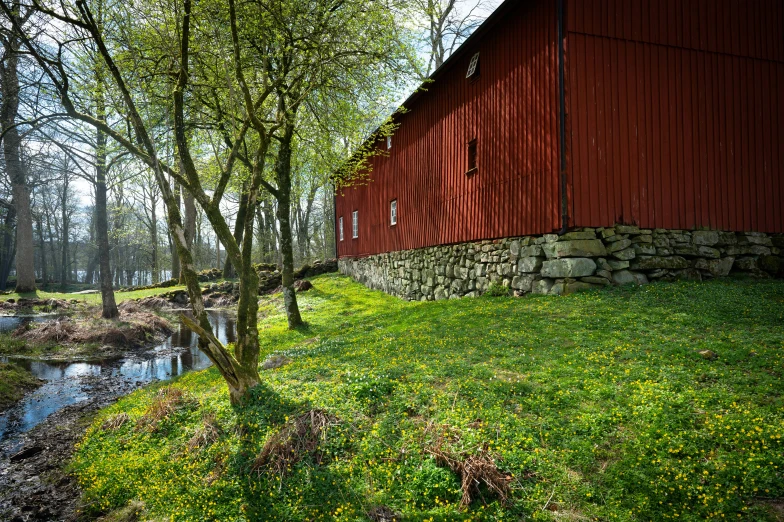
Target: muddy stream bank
[(38, 433)]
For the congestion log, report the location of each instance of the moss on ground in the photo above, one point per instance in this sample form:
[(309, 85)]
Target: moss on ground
[(14, 383), (596, 406)]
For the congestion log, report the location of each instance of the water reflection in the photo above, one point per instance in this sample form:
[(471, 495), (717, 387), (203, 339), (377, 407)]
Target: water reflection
[(71, 383)]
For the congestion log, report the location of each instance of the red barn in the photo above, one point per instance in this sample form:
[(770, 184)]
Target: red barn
[(562, 121)]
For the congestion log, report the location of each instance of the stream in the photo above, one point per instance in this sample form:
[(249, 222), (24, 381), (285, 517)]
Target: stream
[(38, 434), (69, 383)]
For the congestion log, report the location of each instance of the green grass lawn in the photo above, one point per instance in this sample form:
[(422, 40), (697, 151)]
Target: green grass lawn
[(92, 299), (598, 406)]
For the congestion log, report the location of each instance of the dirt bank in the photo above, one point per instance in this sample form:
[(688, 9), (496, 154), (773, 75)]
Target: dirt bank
[(33, 485), (71, 338)]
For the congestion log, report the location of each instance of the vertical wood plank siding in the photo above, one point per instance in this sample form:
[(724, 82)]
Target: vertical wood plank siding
[(511, 110), (676, 116)]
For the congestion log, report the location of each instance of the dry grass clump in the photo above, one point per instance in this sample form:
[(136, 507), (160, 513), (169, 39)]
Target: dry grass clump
[(135, 328), (206, 434), (474, 469), (115, 422), (57, 331), (299, 437), (166, 402)]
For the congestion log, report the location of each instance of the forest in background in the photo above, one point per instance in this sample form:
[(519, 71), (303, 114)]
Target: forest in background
[(57, 158)]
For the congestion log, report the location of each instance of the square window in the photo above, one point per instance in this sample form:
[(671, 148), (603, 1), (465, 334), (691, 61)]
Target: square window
[(355, 224), (393, 212), (472, 157), (340, 227)]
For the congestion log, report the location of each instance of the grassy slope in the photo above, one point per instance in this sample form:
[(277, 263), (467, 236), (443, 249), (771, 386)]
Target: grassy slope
[(14, 382), (597, 402), (94, 299)]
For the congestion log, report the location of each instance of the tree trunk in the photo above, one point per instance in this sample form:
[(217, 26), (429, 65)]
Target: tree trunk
[(64, 241), (109, 308), (42, 248), (156, 278), (175, 258), (283, 175), (12, 149), (7, 254), (239, 228)]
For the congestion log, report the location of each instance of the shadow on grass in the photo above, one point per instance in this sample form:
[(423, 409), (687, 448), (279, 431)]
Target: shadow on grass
[(264, 491)]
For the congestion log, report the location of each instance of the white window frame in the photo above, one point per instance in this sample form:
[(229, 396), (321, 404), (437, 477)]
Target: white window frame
[(340, 227), (389, 142), (472, 66), (355, 224), (393, 212)]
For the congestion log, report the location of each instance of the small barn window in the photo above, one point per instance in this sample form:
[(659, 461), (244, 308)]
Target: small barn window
[(473, 67), (389, 142), (393, 212), (355, 224), (340, 227), (472, 157)]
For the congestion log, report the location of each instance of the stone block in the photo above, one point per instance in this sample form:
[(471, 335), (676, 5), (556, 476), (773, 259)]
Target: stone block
[(625, 277), (705, 237), (514, 248), (531, 251), (726, 238), (523, 283), (716, 267), (542, 286), (706, 251), (575, 248), (604, 273), (770, 264), (626, 254), (627, 229), (579, 235), (643, 239), (746, 264), (596, 280), (759, 250), (655, 262), (644, 249), (619, 245), (608, 232), (530, 264), (577, 286), (664, 251), (755, 239), (568, 267), (688, 274), (617, 264)]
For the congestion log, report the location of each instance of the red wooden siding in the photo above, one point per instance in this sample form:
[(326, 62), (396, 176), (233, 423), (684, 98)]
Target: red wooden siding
[(676, 117), (511, 110)]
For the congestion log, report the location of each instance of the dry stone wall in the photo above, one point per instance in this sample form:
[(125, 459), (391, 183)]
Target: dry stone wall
[(561, 264)]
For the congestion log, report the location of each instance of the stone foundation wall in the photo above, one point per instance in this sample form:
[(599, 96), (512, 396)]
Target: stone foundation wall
[(580, 259)]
